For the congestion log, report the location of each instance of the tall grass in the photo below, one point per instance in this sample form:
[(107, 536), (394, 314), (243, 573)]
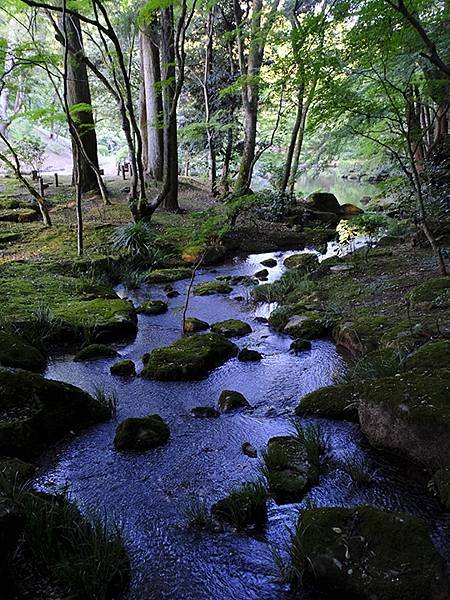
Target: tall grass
[(375, 365), (313, 440), (42, 328), (196, 513), (135, 239), (245, 505), (108, 400)]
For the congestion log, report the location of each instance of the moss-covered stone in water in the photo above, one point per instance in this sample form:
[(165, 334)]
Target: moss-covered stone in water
[(95, 352), (212, 287), (205, 412), (141, 433), (34, 412), (152, 307), (167, 275), (16, 353), (288, 471), (123, 368), (365, 552), (300, 345), (440, 484), (193, 325), (248, 355), (409, 414), (430, 356), (230, 400), (306, 261), (212, 255), (244, 506), (231, 328), (308, 326), (191, 357), (430, 290), (269, 262), (332, 402)]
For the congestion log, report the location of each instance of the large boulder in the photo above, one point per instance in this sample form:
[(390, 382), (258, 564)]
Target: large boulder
[(194, 325), (323, 202), (350, 210), (18, 354), (167, 275), (430, 356), (231, 328), (331, 402), (36, 412), (307, 326), (409, 414), (141, 433), (364, 553), (307, 261), (361, 335), (95, 352), (230, 400), (191, 357)]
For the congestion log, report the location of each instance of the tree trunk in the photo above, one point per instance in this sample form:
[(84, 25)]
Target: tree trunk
[(225, 180), (143, 123), (151, 72), (78, 92), (293, 141)]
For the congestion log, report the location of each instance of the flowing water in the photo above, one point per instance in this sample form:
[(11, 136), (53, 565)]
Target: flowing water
[(203, 459)]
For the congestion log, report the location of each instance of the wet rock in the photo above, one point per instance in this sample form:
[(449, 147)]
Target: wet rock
[(193, 325), (361, 335), (153, 307), (324, 201), (35, 412), (409, 414), (248, 355), (167, 275), (429, 357), (300, 345), (94, 352), (172, 293), (141, 433), (230, 400), (243, 507), (17, 353), (365, 552), (331, 402), (123, 368), (205, 412), (350, 210), (269, 262), (440, 484), (231, 328), (261, 319), (262, 274), (249, 450), (191, 357), (306, 261), (288, 469), (212, 255), (308, 326), (212, 287)]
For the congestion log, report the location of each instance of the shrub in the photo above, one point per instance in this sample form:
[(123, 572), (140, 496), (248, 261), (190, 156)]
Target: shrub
[(136, 239)]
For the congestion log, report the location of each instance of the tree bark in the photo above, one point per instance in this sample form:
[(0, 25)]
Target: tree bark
[(293, 141)]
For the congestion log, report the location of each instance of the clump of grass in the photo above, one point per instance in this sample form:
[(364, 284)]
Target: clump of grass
[(359, 471), (42, 328), (244, 506), (290, 281), (196, 513), (132, 278), (136, 239), (108, 400), (313, 440), (376, 364)]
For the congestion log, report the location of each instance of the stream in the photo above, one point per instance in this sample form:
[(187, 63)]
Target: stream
[(203, 459)]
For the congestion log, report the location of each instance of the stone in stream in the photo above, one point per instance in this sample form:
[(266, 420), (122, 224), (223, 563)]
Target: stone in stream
[(153, 307), (300, 345), (331, 402), (191, 357), (440, 485), (15, 352), (141, 433), (123, 368), (269, 262), (248, 355), (212, 287), (205, 412), (193, 325), (243, 507), (366, 553), (262, 274), (167, 275), (231, 328), (95, 352), (35, 412), (230, 400), (249, 450), (308, 326), (307, 261)]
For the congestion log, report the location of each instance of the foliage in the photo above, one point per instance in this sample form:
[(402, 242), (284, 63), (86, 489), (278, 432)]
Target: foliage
[(136, 239), (109, 400)]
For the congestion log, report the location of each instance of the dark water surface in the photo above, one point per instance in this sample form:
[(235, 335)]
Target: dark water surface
[(203, 459)]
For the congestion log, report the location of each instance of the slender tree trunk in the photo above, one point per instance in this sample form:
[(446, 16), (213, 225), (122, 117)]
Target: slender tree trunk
[(293, 141), (143, 123), (225, 180), (78, 93), (212, 162)]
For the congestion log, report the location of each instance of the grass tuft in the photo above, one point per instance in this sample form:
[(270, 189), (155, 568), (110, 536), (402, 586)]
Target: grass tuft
[(108, 400)]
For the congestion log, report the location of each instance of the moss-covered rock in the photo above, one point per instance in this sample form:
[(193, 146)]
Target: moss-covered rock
[(350, 210), (262, 274), (365, 552), (141, 433), (167, 275), (300, 345), (153, 307), (212, 287), (269, 262), (34, 412), (94, 352), (288, 470), (440, 484), (306, 262), (324, 201), (191, 357), (430, 290), (409, 414), (194, 325), (19, 215), (123, 368), (362, 334), (331, 402), (307, 326), (248, 355), (205, 412), (211, 255), (430, 356), (17, 353), (230, 400), (243, 507), (231, 328)]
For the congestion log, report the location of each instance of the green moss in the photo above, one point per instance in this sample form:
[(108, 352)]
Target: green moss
[(212, 287), (244, 506), (123, 368), (365, 552), (305, 262), (430, 290), (16, 353), (231, 328), (440, 484), (191, 357), (153, 307), (332, 402), (94, 352), (362, 334), (308, 326), (193, 325), (167, 275), (230, 400), (141, 433), (430, 356)]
